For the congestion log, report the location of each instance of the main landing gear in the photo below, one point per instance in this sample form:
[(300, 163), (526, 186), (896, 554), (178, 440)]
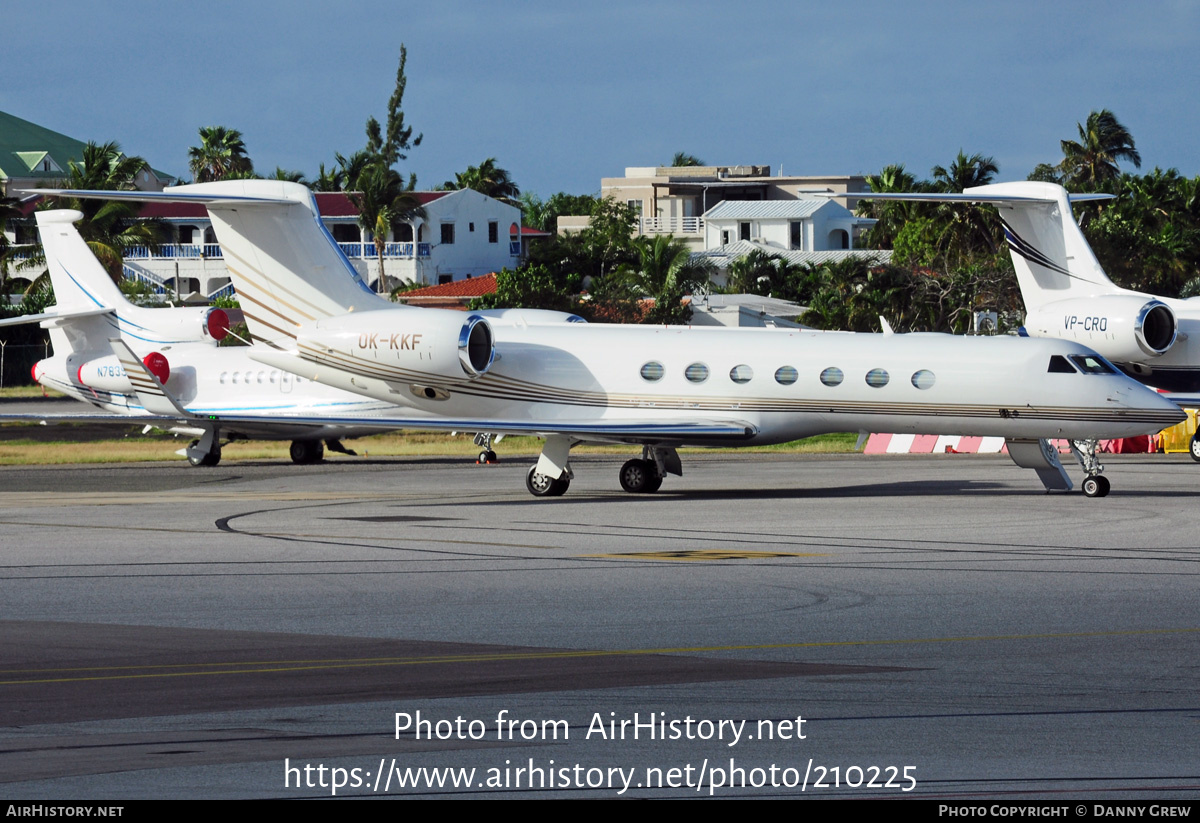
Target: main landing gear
[(304, 452), (206, 451), (552, 475), (203, 458)]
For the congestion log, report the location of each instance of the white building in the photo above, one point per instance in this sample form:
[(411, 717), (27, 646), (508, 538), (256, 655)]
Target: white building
[(805, 224), (463, 234)]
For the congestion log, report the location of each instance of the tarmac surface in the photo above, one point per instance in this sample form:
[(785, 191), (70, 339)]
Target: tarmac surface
[(938, 623)]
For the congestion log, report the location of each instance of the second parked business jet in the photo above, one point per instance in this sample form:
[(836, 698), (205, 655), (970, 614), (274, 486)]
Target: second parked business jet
[(93, 327), (657, 387), (1068, 295)]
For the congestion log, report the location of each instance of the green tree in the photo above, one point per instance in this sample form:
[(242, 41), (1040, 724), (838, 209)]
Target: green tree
[(1090, 163), (486, 178), (543, 214), (531, 287), (383, 202), (221, 155), (664, 271), (890, 215), (389, 143), (682, 159), (109, 227)]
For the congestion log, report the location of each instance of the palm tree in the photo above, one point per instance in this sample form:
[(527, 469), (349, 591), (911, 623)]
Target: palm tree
[(682, 158), (488, 179), (966, 228), (665, 272), (1092, 162), (890, 215), (221, 155), (382, 202)]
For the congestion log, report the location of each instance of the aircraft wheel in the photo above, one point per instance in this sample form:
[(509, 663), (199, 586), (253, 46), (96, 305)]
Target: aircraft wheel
[(541, 485), (639, 477), (1096, 486), (488, 456), (211, 459), (307, 451), (1195, 448)]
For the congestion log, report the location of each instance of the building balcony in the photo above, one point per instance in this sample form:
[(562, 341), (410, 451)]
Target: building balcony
[(402, 251), (671, 225)]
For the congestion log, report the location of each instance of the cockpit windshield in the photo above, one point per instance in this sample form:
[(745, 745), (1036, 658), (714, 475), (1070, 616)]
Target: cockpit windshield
[(1092, 364)]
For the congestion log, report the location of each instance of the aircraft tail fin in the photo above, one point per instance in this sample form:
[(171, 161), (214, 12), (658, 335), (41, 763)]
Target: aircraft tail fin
[(286, 268), (1049, 252), (81, 284), (154, 397)]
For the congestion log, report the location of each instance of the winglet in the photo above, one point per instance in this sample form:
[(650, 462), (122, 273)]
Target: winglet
[(151, 393)]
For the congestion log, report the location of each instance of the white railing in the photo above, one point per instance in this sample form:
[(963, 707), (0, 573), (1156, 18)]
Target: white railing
[(672, 225), (152, 280), (174, 251), (367, 251), (224, 291)]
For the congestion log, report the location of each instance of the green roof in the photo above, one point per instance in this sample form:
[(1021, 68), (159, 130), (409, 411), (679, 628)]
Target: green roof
[(26, 147)]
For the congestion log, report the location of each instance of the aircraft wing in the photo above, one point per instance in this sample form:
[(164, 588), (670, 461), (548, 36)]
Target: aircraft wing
[(617, 431), (964, 197)]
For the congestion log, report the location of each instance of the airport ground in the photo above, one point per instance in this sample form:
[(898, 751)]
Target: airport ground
[(177, 632)]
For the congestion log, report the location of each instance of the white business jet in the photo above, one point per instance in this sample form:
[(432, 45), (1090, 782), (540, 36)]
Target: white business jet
[(658, 387), (95, 331), (1068, 295)]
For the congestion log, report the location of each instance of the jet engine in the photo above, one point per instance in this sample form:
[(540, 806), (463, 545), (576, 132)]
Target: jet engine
[(107, 373), (193, 325), (1122, 327), (413, 346)]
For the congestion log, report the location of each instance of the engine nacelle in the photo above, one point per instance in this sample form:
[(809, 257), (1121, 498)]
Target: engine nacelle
[(418, 346), (107, 373), (1123, 327)]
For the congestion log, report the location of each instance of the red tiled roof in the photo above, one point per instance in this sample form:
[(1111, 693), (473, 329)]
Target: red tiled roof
[(529, 231), (457, 289)]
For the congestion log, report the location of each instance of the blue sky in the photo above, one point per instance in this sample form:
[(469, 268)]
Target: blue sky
[(562, 94)]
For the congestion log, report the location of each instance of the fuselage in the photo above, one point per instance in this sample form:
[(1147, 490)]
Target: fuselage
[(786, 383), (214, 381)]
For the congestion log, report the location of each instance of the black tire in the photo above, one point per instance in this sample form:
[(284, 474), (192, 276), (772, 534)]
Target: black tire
[(307, 451), (1194, 448), (1096, 486), (639, 477), (488, 457), (540, 485), (211, 459)]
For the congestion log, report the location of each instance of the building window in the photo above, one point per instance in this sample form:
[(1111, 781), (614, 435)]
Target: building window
[(725, 237), (743, 231), (797, 228), (636, 205), (470, 227), (493, 232), (447, 234), (443, 279)]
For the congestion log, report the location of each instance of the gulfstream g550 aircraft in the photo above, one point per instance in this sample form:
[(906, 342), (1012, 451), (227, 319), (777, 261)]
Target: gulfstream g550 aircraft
[(655, 387)]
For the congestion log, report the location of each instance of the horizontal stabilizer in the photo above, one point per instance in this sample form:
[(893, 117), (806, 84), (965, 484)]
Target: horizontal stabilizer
[(52, 315)]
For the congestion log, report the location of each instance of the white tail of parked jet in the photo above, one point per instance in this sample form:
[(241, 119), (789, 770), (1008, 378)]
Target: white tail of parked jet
[(94, 308), (1068, 295), (266, 230)]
